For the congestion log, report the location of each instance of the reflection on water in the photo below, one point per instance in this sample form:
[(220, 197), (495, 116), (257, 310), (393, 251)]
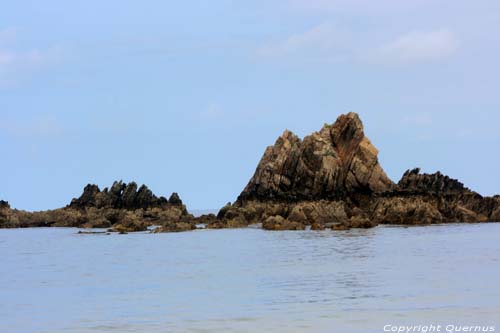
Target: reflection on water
[(249, 280)]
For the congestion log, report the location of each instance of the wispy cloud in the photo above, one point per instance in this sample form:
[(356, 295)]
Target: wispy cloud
[(212, 112), (326, 4), (324, 41), (327, 42), (359, 6), (416, 47), (44, 126), (7, 35), (16, 62), (417, 119)]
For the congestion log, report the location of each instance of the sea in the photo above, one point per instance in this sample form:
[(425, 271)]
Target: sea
[(250, 280)]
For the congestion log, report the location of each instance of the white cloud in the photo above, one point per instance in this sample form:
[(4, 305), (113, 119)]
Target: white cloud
[(324, 41), (328, 43), (45, 126), (17, 66), (6, 58), (360, 6), (7, 35), (16, 63), (11, 59), (212, 112), (418, 119), (416, 47), (325, 4)]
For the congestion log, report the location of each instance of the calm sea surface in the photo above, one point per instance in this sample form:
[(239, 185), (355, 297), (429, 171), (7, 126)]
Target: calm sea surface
[(249, 280)]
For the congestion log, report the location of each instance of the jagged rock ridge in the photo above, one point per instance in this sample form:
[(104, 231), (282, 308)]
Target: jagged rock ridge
[(414, 181), (122, 195), (123, 207)]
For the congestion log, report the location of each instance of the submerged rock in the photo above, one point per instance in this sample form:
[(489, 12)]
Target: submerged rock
[(80, 232), (175, 227)]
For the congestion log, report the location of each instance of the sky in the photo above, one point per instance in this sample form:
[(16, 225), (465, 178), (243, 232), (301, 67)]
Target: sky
[(185, 96)]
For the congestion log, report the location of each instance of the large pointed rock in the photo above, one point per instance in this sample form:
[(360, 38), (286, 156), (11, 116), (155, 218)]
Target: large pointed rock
[(334, 163)]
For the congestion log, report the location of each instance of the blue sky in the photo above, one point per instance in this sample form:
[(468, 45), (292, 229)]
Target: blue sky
[(185, 96)]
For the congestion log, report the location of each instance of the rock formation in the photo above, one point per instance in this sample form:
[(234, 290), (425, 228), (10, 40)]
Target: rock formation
[(122, 208), (122, 196), (332, 179), (433, 198), (335, 163)]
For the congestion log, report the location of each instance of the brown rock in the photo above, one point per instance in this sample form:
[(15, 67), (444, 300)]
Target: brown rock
[(318, 226), (279, 223), (336, 162), (415, 210), (332, 178), (298, 215), (495, 215), (123, 207), (340, 226), (130, 222), (361, 222)]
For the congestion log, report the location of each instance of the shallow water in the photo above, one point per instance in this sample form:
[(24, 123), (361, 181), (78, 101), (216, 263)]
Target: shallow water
[(249, 280)]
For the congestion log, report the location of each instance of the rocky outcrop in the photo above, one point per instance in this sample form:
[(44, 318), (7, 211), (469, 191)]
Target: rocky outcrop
[(495, 212), (320, 181), (332, 179), (122, 196), (414, 182), (13, 218), (336, 163), (433, 198), (121, 208), (277, 222)]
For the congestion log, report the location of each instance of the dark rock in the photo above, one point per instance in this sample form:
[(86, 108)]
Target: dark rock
[(93, 232), (175, 199), (88, 197), (122, 196), (144, 198), (222, 212), (128, 197), (413, 181), (175, 227), (4, 204)]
